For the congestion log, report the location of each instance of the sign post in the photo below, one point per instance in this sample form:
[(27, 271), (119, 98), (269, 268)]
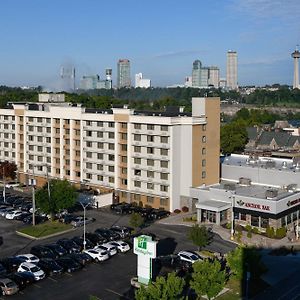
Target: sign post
[(145, 249)]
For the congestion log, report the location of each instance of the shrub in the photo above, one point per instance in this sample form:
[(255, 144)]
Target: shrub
[(228, 226), (270, 232), (185, 209), (238, 227), (177, 211), (249, 234), (238, 236), (281, 232), (255, 230), (248, 228), (194, 218)]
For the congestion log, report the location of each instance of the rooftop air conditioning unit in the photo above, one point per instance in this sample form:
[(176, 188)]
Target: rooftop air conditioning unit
[(244, 181), (229, 186), (291, 187), (284, 165), (270, 194)]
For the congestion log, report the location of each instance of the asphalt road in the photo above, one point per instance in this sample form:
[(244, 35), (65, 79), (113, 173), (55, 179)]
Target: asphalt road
[(107, 280)]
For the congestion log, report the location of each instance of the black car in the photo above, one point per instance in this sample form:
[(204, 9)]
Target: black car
[(159, 214), (67, 219), (95, 238), (11, 264), (3, 271), (57, 249), (22, 279), (50, 266), (1, 240), (68, 264), (81, 258), (23, 216), (38, 219), (108, 234), (42, 252), (79, 241), (122, 231), (69, 245), (26, 206), (124, 208)]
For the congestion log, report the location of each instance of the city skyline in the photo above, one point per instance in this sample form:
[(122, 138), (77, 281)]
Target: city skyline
[(162, 44)]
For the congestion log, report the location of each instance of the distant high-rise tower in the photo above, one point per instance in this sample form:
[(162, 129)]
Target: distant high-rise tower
[(123, 76), (196, 73), (296, 56), (108, 73), (231, 71), (213, 76)]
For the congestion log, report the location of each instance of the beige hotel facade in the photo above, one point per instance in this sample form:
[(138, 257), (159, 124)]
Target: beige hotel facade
[(149, 158)]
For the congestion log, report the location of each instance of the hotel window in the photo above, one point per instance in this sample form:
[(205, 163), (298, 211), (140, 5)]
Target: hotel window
[(57, 151), (111, 135), (137, 197), (57, 121), (164, 152), (164, 139), (99, 177), (203, 174), (67, 131), (40, 139), (57, 161), (203, 162), (21, 127), (203, 139), (111, 168), (6, 144), (88, 133), (89, 144), (77, 122), (150, 199), (77, 153), (30, 137), (137, 137), (5, 126), (57, 130), (150, 127), (31, 157), (100, 145), (150, 150), (89, 154), (39, 120), (150, 162), (124, 170), (21, 119), (124, 136), (150, 138), (68, 172), (89, 176), (99, 124), (77, 132), (112, 179), (77, 142), (124, 159), (48, 139), (89, 165), (111, 124), (137, 149), (137, 160), (99, 134), (100, 155), (137, 126), (39, 129), (164, 188), (39, 148), (163, 164), (99, 167), (137, 172), (254, 221), (163, 202), (30, 128), (204, 127), (77, 174), (124, 125), (164, 176), (67, 141), (57, 171), (48, 129), (150, 186), (203, 151), (88, 123), (5, 117), (40, 158), (30, 119), (111, 157), (150, 174), (164, 128), (124, 147), (264, 223), (67, 162), (137, 184)]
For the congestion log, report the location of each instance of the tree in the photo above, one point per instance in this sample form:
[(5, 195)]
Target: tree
[(8, 169), (199, 235), (136, 220), (169, 288), (62, 196), (208, 278)]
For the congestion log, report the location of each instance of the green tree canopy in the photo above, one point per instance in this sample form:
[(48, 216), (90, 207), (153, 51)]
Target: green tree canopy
[(199, 235), (136, 220), (207, 278), (8, 170), (62, 196), (169, 288)]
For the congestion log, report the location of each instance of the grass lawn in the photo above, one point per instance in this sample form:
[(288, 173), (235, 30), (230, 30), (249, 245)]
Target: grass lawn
[(234, 292), (44, 229)]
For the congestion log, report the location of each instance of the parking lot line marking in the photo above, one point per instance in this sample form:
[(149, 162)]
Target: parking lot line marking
[(116, 293), (69, 274), (84, 269), (38, 286), (50, 278), (21, 292)]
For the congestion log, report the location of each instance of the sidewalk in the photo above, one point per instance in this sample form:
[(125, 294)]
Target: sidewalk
[(256, 240)]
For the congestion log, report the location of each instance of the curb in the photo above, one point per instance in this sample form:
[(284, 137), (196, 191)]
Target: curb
[(44, 237)]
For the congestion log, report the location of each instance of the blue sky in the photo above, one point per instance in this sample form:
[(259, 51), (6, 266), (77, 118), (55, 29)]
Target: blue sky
[(161, 38)]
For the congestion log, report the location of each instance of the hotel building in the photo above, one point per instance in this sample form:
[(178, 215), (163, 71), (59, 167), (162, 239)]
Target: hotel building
[(149, 158)]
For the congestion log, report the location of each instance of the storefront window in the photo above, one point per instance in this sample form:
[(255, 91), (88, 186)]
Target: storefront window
[(264, 223), (254, 221), (283, 222), (223, 215), (288, 219), (236, 216), (295, 214), (243, 217), (212, 216)]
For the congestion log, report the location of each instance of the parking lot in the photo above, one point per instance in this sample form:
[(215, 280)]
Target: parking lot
[(106, 280)]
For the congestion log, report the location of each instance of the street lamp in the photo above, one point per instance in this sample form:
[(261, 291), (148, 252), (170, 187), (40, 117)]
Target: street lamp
[(4, 184), (84, 209), (232, 217), (32, 182)]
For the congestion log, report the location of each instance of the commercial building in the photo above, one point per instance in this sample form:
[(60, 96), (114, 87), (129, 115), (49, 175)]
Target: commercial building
[(141, 82), (202, 76), (123, 73), (92, 82), (151, 158), (261, 191), (213, 76), (232, 70)]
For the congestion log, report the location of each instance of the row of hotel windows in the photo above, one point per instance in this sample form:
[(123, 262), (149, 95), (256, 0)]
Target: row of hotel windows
[(149, 199), (151, 150), (7, 145), (151, 162), (7, 135), (151, 185), (100, 156), (37, 128), (7, 126), (150, 138), (150, 174), (7, 154), (7, 118)]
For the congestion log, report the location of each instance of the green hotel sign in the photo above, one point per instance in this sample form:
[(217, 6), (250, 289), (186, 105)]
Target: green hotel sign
[(142, 242)]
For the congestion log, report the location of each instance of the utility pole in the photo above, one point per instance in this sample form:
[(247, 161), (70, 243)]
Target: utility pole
[(4, 184)]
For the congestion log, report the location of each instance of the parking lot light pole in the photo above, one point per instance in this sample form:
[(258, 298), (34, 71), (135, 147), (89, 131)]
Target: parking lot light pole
[(33, 198), (232, 218), (84, 208), (4, 185)]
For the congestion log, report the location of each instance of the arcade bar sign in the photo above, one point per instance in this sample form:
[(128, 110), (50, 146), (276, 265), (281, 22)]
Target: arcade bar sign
[(253, 205)]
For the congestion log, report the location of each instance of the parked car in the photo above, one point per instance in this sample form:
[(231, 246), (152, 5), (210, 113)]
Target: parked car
[(8, 287), (5, 211), (27, 276), (95, 238), (110, 249), (57, 249), (81, 258), (38, 219), (69, 245), (50, 266), (159, 214), (68, 264), (28, 258), (11, 263), (67, 218), (79, 221), (108, 234), (26, 206), (42, 252), (3, 271), (97, 254), (12, 184), (32, 268), (120, 246), (13, 214), (122, 231), (124, 208), (19, 280), (23, 215), (189, 256), (79, 241)]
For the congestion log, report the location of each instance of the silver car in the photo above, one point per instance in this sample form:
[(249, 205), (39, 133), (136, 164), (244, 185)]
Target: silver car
[(79, 221), (8, 287)]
